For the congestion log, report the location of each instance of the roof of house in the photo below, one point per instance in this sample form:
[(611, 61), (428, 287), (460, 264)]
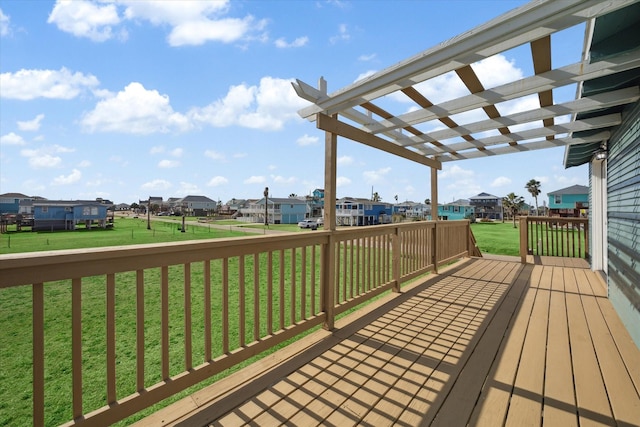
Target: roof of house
[(574, 189), (459, 202), (68, 203), (359, 111), (200, 199), (483, 196), (14, 196)]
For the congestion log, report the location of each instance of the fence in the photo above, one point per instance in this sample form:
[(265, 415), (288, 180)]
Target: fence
[(115, 330), (554, 236)]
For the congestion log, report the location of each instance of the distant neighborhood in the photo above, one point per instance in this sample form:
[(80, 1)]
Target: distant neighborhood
[(41, 214)]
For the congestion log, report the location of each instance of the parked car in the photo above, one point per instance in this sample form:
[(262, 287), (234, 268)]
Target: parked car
[(309, 223)]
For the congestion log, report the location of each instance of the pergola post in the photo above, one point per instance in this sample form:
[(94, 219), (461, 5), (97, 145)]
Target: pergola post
[(434, 216), (328, 275)]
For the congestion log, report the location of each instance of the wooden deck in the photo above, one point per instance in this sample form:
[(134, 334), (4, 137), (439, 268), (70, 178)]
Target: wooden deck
[(486, 342)]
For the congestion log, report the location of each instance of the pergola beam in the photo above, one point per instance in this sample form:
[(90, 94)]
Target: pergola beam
[(335, 126)]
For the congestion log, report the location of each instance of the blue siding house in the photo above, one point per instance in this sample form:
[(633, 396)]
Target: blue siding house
[(289, 210), (50, 215), (460, 209), (569, 202), (351, 211)]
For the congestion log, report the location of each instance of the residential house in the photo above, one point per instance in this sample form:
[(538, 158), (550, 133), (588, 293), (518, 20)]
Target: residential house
[(50, 215), (353, 211), (289, 210), (196, 205), (10, 202), (459, 209), (487, 206), (412, 210), (569, 202)]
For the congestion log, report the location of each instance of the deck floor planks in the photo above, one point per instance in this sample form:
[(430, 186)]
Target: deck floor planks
[(623, 395), (460, 402), (591, 396), (493, 403), (525, 407), (559, 396), (413, 363)]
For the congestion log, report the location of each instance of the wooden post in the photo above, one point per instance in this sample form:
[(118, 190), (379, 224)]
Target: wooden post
[(329, 268), (395, 243), (523, 240), (434, 216)]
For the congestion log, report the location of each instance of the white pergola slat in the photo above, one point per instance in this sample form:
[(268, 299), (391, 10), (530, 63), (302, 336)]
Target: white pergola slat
[(407, 134)]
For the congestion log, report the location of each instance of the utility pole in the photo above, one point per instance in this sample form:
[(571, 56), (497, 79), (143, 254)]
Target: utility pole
[(149, 213), (266, 206)]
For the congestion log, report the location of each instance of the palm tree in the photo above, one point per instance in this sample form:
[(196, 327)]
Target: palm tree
[(513, 204), (376, 197), (533, 187)]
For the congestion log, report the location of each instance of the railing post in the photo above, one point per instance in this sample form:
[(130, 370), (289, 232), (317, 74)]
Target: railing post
[(395, 263), (328, 283), (524, 239), (434, 246)]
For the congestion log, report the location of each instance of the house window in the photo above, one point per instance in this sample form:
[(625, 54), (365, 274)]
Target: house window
[(558, 198), (456, 209), (45, 209), (67, 209)]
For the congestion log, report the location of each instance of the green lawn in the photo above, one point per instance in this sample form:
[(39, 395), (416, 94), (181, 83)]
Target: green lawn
[(126, 231), (497, 238)]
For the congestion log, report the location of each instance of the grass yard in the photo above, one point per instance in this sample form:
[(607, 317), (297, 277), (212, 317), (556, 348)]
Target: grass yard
[(126, 231), (497, 238)]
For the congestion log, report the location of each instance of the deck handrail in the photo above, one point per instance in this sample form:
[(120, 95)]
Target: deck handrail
[(554, 236), (260, 290)]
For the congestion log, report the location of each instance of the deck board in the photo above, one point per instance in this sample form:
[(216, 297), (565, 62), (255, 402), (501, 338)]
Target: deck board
[(489, 342)]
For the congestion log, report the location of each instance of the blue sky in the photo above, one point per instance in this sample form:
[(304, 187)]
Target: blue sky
[(129, 99)]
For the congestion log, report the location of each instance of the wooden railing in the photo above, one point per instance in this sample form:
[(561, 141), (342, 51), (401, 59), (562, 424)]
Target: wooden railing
[(554, 236), (116, 330)]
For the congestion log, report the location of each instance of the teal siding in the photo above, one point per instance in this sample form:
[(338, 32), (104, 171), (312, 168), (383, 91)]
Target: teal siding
[(623, 233)]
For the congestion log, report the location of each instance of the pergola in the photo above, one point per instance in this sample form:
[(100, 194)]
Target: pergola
[(610, 69)]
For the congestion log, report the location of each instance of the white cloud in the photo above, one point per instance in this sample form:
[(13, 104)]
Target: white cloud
[(31, 125), (72, 178), (342, 181), (187, 188), (157, 149), (85, 19), (255, 180), (135, 110), (367, 58), (84, 164), (45, 157), (30, 84), (217, 181), (371, 177), (156, 185), (11, 139), (194, 22), (307, 140), (365, 75), (455, 172), (177, 152), (5, 24), (212, 154), (167, 164), (344, 160), (343, 34), (501, 181), (299, 42), (267, 106), (282, 180)]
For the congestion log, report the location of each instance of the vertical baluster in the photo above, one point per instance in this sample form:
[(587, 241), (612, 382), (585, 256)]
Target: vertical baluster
[(225, 305), (241, 302), (207, 309), (164, 322), (256, 297), (343, 261), (76, 345), (140, 330), (352, 246), (188, 359), (270, 293), (292, 293), (303, 284), (111, 338), (38, 353), (313, 280), (281, 289)]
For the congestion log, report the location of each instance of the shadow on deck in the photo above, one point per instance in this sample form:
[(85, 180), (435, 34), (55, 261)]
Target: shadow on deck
[(486, 342)]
